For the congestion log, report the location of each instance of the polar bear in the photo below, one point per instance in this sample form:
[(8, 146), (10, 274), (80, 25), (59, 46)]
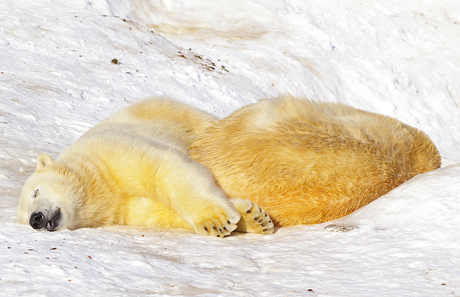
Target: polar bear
[(133, 168), (163, 163), (307, 162)]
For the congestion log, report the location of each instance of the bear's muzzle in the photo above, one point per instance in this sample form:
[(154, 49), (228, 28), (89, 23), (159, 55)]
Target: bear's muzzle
[(50, 222)]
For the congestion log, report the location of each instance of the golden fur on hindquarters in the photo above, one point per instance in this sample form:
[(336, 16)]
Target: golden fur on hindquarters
[(309, 162)]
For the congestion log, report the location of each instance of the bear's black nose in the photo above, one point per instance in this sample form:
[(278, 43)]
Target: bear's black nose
[(37, 220)]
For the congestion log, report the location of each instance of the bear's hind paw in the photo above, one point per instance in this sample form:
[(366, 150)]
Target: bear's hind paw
[(253, 218)]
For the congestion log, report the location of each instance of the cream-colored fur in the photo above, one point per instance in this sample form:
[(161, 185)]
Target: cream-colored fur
[(133, 169), (308, 162), (302, 161)]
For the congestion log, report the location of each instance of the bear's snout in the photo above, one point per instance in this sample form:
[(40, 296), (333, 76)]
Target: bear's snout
[(39, 221)]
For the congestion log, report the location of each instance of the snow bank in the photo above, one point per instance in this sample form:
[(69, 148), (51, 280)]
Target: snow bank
[(428, 203), (57, 79)]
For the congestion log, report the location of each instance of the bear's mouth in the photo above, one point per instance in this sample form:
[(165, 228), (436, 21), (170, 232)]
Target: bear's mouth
[(48, 220)]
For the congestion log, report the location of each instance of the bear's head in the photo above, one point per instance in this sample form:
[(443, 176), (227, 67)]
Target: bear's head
[(51, 197)]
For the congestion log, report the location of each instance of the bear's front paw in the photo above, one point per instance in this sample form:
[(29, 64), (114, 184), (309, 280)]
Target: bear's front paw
[(253, 218), (215, 228)]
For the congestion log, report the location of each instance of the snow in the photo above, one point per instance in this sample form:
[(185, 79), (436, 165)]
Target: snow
[(398, 58)]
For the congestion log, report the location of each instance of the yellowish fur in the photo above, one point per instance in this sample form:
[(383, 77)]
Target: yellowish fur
[(150, 164), (309, 162), (133, 169)]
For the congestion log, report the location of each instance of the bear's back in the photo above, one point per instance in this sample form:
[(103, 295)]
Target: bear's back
[(153, 121)]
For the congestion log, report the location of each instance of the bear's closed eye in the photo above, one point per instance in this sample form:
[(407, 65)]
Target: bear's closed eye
[(35, 194)]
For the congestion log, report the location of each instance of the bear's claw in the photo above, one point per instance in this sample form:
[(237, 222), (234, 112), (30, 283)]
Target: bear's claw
[(253, 218), (215, 228)]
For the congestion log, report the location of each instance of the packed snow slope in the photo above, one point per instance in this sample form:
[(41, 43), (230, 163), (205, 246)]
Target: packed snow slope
[(65, 65)]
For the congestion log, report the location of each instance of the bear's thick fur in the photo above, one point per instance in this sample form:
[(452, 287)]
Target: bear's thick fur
[(150, 164), (309, 162), (133, 169)]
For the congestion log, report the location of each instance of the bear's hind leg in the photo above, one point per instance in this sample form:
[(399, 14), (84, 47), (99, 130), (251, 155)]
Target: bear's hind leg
[(253, 218)]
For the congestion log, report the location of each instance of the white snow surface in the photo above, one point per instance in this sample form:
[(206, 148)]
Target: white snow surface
[(398, 58)]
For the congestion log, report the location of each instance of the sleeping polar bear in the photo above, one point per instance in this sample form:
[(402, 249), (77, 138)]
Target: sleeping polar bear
[(150, 164)]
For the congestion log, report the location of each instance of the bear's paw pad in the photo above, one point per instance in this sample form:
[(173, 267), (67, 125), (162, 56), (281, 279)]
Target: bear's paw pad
[(254, 219), (215, 228)]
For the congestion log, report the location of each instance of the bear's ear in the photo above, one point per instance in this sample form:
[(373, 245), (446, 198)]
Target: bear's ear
[(43, 161)]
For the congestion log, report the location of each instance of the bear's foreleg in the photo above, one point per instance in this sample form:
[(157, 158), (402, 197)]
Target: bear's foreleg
[(189, 188)]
